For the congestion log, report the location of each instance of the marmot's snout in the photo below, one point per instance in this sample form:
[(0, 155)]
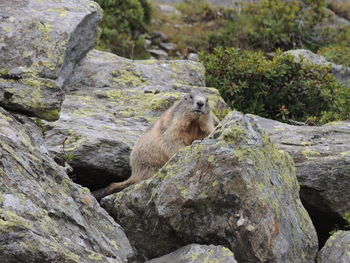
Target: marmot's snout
[(200, 104)]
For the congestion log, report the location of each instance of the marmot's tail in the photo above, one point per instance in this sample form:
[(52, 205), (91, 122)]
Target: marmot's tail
[(112, 188)]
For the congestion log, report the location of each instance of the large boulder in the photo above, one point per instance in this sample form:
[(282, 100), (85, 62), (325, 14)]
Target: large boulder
[(44, 216), (336, 250), (234, 189), (322, 159), (109, 103), (342, 73), (198, 254), (40, 44)]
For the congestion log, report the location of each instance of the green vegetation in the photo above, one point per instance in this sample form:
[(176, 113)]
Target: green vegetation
[(193, 29), (273, 24), (235, 42), (279, 88), (122, 25), (68, 157), (338, 51)]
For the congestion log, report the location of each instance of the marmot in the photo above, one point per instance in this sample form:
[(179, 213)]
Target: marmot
[(187, 120)]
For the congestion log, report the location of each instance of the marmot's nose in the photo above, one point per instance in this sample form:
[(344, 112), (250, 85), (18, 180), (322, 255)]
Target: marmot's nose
[(200, 104)]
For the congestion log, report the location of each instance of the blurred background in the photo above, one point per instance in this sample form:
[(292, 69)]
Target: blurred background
[(241, 43)]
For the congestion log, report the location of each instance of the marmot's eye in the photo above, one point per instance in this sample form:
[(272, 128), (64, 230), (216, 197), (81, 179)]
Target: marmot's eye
[(206, 100), (191, 97)]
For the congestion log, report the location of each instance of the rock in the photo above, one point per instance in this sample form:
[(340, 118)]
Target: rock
[(193, 57), (198, 254), (40, 44), (167, 46), (233, 189), (322, 160), (340, 72), (170, 10), (160, 35), (109, 102), (44, 216), (148, 43), (158, 53), (336, 250)]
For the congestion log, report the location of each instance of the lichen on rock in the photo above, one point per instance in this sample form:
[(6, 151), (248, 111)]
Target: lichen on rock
[(246, 200), (44, 216), (38, 56), (110, 101)]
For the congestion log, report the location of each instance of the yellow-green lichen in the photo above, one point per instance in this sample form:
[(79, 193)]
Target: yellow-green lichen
[(128, 77), (346, 216), (115, 245), (95, 256), (149, 61), (10, 220), (232, 133), (194, 257), (49, 115), (61, 11), (279, 129), (215, 183), (73, 141), (228, 253), (308, 153)]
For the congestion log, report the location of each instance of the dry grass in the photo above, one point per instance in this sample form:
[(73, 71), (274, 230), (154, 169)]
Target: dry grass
[(340, 8)]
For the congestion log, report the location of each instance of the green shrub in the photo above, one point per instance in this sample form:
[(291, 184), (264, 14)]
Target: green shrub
[(273, 24), (278, 88), (121, 19)]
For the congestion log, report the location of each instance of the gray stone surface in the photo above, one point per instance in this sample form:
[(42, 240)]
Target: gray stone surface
[(322, 160), (170, 10), (234, 189), (40, 44), (198, 254), (44, 216), (109, 103), (336, 250), (158, 53)]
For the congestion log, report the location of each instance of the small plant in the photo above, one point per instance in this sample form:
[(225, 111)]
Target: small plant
[(40, 124), (279, 88), (68, 157)]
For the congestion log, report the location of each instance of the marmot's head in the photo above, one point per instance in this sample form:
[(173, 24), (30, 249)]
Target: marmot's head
[(194, 105)]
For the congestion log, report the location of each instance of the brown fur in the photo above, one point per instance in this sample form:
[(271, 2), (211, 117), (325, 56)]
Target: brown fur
[(178, 127)]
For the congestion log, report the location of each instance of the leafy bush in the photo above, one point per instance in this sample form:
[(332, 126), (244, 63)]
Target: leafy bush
[(122, 20), (274, 24), (278, 88)]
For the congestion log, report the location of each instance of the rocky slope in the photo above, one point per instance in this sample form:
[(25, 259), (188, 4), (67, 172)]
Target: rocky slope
[(109, 102), (232, 197), (337, 249), (322, 160), (38, 55), (233, 189), (44, 216)]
